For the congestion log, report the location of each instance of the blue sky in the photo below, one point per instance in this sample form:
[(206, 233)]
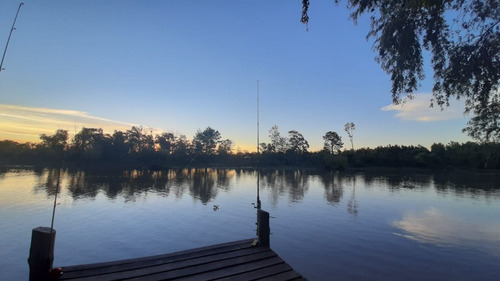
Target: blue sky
[(180, 66)]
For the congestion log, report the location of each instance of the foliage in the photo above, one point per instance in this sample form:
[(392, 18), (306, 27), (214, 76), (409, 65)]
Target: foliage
[(57, 141), (349, 129), (297, 143), (206, 141), (225, 147), (463, 39), (137, 149), (166, 142), (278, 143), (485, 126), (333, 142)]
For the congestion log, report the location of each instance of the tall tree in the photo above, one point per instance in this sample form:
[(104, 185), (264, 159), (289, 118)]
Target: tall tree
[(166, 141), (139, 140), (297, 143), (88, 139), (333, 142), (463, 39), (278, 143), (90, 143), (225, 147), (55, 142), (182, 146), (349, 129), (120, 147), (206, 141)]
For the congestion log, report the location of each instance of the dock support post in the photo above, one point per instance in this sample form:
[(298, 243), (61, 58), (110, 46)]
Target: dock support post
[(263, 229), (41, 253)]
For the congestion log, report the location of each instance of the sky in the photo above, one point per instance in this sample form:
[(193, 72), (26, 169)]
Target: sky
[(182, 66)]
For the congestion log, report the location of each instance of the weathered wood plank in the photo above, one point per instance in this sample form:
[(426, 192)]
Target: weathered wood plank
[(129, 271), (285, 276), (121, 265), (233, 271), (237, 260), (260, 272), (240, 244), (200, 269)]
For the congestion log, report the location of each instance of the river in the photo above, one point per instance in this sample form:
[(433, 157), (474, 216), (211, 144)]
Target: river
[(360, 225)]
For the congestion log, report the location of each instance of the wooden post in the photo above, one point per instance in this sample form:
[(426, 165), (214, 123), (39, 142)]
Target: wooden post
[(263, 229), (41, 253)]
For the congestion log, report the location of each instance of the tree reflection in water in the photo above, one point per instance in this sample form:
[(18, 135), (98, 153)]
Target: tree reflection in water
[(333, 187), (48, 181), (295, 183), (352, 204), (203, 184)]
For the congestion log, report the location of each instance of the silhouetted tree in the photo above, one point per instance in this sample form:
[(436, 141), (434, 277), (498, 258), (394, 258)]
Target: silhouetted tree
[(120, 147), (90, 143), (225, 147), (349, 129), (166, 141), (485, 126), (297, 143), (182, 146), (56, 142), (206, 141), (138, 140), (267, 148), (278, 143), (463, 38), (333, 142)]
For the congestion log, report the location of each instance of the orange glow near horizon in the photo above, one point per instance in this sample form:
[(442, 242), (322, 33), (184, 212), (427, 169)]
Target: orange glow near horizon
[(25, 124)]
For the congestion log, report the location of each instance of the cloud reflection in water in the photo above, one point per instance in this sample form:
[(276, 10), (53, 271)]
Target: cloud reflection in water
[(435, 227)]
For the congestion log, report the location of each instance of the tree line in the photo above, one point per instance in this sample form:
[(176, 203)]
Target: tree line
[(138, 149)]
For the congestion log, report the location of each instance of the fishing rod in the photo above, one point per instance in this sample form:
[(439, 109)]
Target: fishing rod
[(55, 199), (258, 150), (10, 34)]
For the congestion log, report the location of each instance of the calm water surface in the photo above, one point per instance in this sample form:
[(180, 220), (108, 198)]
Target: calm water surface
[(376, 225)]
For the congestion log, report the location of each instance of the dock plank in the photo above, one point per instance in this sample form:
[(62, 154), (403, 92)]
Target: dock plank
[(259, 273), (162, 263), (234, 270), (240, 244), (284, 276), (237, 260), (175, 266), (203, 268)]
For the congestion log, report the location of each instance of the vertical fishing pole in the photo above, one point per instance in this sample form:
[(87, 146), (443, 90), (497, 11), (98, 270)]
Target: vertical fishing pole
[(10, 34), (258, 150), (55, 199)]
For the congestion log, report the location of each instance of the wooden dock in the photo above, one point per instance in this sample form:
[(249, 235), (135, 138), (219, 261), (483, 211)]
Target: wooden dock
[(239, 260), (250, 259)]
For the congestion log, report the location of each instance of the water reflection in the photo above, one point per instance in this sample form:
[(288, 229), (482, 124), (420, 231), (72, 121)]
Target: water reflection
[(432, 226), (50, 181), (205, 184), (202, 184), (295, 183), (333, 187), (352, 204)]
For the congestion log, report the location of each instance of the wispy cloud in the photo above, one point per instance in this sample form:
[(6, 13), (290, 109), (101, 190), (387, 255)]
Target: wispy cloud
[(21, 123), (418, 109)]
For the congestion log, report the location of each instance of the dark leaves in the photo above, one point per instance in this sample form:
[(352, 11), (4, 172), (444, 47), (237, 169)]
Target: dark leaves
[(463, 38)]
